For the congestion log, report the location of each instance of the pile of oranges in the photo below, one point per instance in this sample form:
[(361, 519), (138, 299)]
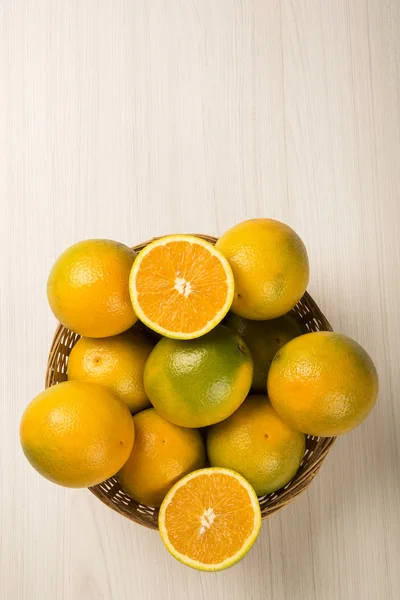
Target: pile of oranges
[(193, 381)]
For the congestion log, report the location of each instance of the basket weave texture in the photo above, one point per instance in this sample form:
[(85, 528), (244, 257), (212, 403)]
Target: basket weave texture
[(110, 492)]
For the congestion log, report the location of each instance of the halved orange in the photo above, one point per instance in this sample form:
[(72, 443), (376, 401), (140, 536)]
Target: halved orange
[(210, 519), (181, 286)]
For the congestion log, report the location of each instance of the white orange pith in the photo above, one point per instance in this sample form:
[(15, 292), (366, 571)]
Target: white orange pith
[(181, 286), (210, 519)]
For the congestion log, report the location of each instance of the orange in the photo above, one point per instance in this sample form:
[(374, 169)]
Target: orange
[(264, 339), (162, 454), (270, 266), (195, 383), (116, 362), (181, 286), (88, 288), (258, 444), (210, 519), (323, 383), (77, 434)]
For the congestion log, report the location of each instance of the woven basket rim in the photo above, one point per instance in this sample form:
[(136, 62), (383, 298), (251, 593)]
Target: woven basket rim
[(110, 493)]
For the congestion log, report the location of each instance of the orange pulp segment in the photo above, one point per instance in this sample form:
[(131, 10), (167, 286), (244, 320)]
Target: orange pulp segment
[(181, 286), (210, 519)]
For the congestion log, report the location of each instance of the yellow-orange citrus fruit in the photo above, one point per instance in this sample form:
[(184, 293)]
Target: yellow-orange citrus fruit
[(323, 383), (181, 286), (88, 288), (162, 454), (77, 434), (116, 362), (210, 519), (270, 266), (264, 339), (195, 383), (258, 444)]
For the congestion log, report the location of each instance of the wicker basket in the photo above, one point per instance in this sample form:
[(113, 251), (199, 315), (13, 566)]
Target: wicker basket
[(110, 491)]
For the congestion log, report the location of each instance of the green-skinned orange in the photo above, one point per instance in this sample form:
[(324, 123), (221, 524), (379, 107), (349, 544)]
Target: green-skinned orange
[(195, 383), (264, 339)]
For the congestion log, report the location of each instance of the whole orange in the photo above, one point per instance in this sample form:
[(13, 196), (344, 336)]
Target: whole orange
[(270, 266), (116, 362), (323, 383), (258, 444), (162, 454), (263, 338), (194, 383), (88, 288), (77, 434)]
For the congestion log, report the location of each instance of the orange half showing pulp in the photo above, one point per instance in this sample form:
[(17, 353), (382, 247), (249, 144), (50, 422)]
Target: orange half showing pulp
[(181, 286), (210, 519)]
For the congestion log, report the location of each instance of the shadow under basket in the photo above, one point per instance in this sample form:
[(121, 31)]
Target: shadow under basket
[(110, 492)]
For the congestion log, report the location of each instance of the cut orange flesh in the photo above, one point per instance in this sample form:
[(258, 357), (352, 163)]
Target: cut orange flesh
[(210, 519), (181, 286)]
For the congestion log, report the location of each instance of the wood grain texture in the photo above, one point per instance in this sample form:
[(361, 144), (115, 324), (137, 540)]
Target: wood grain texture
[(128, 119)]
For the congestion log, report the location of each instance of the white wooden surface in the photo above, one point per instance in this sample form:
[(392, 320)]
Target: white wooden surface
[(132, 118)]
